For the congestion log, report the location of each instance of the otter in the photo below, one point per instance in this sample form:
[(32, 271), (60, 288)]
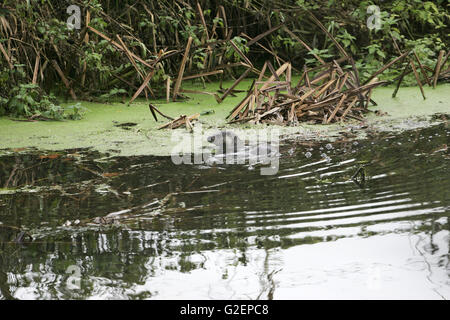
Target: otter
[(228, 142)]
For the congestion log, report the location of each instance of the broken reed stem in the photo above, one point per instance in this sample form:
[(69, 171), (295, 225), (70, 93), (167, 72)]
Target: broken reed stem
[(263, 71), (8, 59), (225, 22), (437, 69), (239, 107), (240, 53), (130, 57), (413, 68), (143, 85), (422, 68), (405, 69), (153, 108), (179, 121), (386, 66), (168, 90), (202, 19), (64, 79), (181, 71), (262, 35), (133, 62), (337, 108), (200, 75), (36, 69), (229, 90), (215, 95), (445, 59), (349, 107), (418, 79), (277, 74)]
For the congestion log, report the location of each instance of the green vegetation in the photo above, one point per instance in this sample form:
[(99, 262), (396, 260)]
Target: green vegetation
[(100, 129), (36, 41), (27, 100)]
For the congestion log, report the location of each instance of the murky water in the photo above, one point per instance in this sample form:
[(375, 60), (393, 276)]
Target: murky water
[(226, 232)]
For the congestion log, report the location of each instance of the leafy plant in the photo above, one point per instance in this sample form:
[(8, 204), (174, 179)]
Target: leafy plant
[(77, 113), (93, 65), (28, 101), (324, 54), (112, 93)]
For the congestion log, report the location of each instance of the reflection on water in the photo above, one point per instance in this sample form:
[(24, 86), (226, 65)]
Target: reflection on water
[(227, 232)]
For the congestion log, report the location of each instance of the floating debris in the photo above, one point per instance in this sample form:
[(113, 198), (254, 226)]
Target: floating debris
[(126, 125), (182, 120), (359, 178), (22, 237)]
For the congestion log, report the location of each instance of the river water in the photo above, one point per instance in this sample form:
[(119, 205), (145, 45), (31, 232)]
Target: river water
[(227, 232)]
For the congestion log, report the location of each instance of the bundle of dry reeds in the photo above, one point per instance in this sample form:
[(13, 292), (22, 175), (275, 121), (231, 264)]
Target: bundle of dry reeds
[(330, 95)]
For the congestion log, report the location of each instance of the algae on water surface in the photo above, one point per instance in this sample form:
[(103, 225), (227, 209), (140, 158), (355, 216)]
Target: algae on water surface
[(100, 129)]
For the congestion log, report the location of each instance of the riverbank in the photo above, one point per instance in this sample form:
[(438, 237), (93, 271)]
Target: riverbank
[(118, 129)]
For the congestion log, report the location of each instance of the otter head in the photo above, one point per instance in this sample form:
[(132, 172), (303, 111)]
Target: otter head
[(226, 141)]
